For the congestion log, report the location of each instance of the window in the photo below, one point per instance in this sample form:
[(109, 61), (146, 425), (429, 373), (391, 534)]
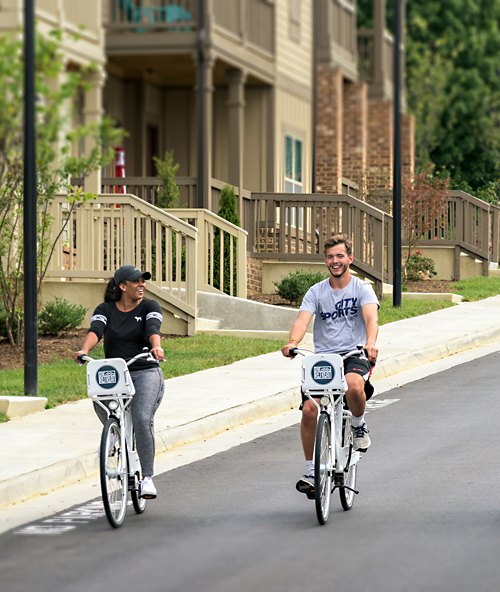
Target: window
[(293, 165), (293, 175)]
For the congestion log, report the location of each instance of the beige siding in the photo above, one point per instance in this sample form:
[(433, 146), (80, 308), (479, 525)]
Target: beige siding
[(294, 58), (180, 129), (256, 146), (294, 117)]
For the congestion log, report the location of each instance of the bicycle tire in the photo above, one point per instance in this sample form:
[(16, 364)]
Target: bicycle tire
[(139, 503), (113, 472), (346, 495), (323, 467)]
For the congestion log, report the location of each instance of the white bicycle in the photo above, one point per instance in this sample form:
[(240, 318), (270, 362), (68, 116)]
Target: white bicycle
[(335, 460), (110, 386)]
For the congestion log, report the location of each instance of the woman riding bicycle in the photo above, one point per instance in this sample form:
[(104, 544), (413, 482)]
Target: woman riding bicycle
[(346, 315), (128, 323)]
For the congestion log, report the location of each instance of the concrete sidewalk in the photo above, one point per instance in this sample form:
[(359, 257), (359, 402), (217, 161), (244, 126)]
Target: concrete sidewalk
[(50, 449)]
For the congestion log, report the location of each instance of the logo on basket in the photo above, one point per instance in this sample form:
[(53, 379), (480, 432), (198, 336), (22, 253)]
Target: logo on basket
[(107, 377), (322, 372)]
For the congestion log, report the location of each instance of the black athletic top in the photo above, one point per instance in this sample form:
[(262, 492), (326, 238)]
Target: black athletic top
[(126, 333)]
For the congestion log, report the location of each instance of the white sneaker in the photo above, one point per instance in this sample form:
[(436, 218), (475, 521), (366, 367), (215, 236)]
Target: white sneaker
[(361, 438), (147, 488)]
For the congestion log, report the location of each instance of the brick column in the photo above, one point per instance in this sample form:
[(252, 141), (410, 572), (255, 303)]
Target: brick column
[(355, 133), (380, 144), (329, 130), (408, 145)]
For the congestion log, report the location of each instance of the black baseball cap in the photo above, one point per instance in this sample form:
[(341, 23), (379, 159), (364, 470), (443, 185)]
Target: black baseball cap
[(130, 273)]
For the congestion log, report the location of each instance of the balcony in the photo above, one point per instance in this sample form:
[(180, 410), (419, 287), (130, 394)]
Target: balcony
[(169, 26), (337, 40)]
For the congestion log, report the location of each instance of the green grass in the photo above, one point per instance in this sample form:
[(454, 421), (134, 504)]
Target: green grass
[(408, 309), (477, 288), (63, 381)]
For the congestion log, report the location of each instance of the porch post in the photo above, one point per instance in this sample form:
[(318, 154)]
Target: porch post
[(93, 114), (236, 109), (204, 92)]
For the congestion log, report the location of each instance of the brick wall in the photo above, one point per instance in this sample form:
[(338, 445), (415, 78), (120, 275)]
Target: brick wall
[(355, 132), (380, 144), (408, 145), (254, 276), (329, 130)]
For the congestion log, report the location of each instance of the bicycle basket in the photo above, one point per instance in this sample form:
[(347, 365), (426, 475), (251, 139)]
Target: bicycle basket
[(323, 373), (109, 378)]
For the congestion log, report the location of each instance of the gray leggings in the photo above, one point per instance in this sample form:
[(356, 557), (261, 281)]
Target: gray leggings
[(149, 388)]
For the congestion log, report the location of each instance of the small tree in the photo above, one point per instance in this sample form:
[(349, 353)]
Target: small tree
[(228, 209), (424, 209), (168, 191), (56, 89)]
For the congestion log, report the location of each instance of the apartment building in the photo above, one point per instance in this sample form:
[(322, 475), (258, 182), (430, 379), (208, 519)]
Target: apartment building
[(82, 44), (267, 95)]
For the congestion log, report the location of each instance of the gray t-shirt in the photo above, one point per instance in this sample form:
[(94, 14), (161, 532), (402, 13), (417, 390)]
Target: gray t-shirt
[(338, 322)]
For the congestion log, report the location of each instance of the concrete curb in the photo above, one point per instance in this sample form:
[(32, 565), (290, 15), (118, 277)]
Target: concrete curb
[(70, 471), (402, 362)]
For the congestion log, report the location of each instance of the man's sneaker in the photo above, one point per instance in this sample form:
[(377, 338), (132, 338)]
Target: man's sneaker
[(147, 488), (305, 484), (361, 438)]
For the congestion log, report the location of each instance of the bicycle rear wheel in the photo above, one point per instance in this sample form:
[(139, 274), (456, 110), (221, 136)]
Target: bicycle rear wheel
[(323, 466), (347, 495), (114, 475)]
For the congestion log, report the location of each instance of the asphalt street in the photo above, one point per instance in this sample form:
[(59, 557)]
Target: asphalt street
[(427, 517)]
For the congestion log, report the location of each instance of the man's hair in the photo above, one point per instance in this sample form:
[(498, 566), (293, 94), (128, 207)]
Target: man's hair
[(338, 239)]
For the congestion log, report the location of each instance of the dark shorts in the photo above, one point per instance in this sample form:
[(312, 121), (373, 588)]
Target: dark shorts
[(355, 365)]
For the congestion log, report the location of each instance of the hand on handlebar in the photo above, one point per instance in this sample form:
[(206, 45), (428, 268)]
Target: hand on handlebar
[(289, 350), (77, 356), (158, 353), (371, 352)]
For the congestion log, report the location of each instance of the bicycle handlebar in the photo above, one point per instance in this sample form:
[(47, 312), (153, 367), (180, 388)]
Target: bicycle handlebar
[(145, 354), (355, 352)]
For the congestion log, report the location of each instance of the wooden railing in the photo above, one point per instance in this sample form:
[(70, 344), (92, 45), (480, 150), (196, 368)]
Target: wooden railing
[(102, 234), (337, 34), (153, 15), (468, 224), (295, 226), (147, 188), (218, 241)]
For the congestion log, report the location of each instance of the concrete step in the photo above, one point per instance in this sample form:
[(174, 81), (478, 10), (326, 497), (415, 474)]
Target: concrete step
[(202, 324)]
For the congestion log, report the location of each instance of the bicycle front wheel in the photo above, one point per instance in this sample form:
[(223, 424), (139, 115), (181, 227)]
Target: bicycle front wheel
[(323, 467), (347, 493), (114, 477)]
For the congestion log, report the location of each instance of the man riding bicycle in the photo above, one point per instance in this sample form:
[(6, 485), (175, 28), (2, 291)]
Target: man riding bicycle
[(346, 315)]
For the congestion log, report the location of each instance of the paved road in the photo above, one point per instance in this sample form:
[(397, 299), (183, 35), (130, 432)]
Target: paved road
[(427, 518)]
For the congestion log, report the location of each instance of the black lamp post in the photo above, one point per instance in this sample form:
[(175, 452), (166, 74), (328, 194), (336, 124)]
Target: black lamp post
[(29, 216), (396, 200)]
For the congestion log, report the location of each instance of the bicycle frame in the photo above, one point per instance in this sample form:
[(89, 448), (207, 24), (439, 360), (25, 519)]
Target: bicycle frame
[(110, 386), (331, 401)]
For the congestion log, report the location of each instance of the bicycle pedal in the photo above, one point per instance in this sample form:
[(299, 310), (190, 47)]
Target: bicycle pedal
[(148, 496)]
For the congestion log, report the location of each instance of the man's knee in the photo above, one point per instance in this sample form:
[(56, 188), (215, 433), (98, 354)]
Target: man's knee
[(309, 412)]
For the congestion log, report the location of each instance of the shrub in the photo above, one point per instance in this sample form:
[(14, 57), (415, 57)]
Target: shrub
[(419, 267), (59, 315), (294, 286), (228, 209), (16, 324), (168, 191)]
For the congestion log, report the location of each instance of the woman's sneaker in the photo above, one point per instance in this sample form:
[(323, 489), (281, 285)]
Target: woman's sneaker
[(361, 438), (147, 490), (305, 484)]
